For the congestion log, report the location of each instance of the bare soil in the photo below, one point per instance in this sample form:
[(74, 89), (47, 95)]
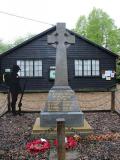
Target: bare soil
[(87, 101)]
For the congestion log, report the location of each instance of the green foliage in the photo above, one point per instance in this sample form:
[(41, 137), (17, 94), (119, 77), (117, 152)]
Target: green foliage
[(118, 69), (99, 28), (19, 40), (6, 46), (81, 26)]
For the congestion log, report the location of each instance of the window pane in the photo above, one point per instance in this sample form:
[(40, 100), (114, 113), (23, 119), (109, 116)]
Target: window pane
[(76, 62), (97, 73), (97, 65), (76, 72), (31, 63), (89, 72), (93, 62), (29, 68), (80, 62), (36, 73), (20, 63), (40, 63), (38, 68), (93, 73), (78, 67), (97, 62), (85, 73), (40, 73), (22, 74), (80, 72), (95, 68), (27, 73), (87, 67), (27, 63)]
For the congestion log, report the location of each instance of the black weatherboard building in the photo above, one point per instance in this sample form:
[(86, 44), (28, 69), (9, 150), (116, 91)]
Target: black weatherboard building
[(90, 66)]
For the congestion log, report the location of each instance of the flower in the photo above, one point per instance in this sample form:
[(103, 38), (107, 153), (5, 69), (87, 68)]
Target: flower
[(70, 142), (77, 137), (36, 146), (103, 137)]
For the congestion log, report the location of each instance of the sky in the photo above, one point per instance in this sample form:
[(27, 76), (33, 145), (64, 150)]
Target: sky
[(50, 11)]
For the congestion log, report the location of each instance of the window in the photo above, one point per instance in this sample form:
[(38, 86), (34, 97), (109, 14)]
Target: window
[(21, 64), (30, 68), (87, 68), (78, 67), (95, 67), (38, 68)]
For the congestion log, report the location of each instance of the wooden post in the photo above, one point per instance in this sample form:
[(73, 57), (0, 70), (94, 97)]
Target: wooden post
[(8, 98), (61, 138), (113, 101)]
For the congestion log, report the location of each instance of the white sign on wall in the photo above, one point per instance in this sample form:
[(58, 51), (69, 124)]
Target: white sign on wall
[(108, 74), (7, 70)]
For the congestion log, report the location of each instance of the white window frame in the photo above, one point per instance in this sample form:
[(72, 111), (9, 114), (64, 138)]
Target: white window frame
[(37, 68), (78, 67), (87, 67), (28, 68), (95, 67)]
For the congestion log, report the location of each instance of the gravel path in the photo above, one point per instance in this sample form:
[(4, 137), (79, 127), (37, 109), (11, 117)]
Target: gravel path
[(15, 132)]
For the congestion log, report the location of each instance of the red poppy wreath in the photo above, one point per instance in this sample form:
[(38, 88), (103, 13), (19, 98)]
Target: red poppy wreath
[(39, 145), (70, 142)]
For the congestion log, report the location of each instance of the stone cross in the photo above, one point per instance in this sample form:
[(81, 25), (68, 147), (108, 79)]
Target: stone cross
[(61, 39)]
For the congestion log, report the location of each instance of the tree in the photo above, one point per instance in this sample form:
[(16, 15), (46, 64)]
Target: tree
[(21, 39), (99, 28), (118, 69), (81, 26), (6, 46)]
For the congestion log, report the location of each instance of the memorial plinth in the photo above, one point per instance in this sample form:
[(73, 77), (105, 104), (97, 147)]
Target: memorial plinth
[(62, 101), (84, 130)]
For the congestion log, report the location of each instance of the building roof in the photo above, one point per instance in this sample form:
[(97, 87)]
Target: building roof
[(52, 29), (94, 44)]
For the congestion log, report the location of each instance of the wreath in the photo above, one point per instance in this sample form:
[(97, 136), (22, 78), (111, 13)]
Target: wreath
[(39, 145), (70, 143)]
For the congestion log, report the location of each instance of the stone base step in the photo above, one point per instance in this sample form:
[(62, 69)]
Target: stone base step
[(84, 130)]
